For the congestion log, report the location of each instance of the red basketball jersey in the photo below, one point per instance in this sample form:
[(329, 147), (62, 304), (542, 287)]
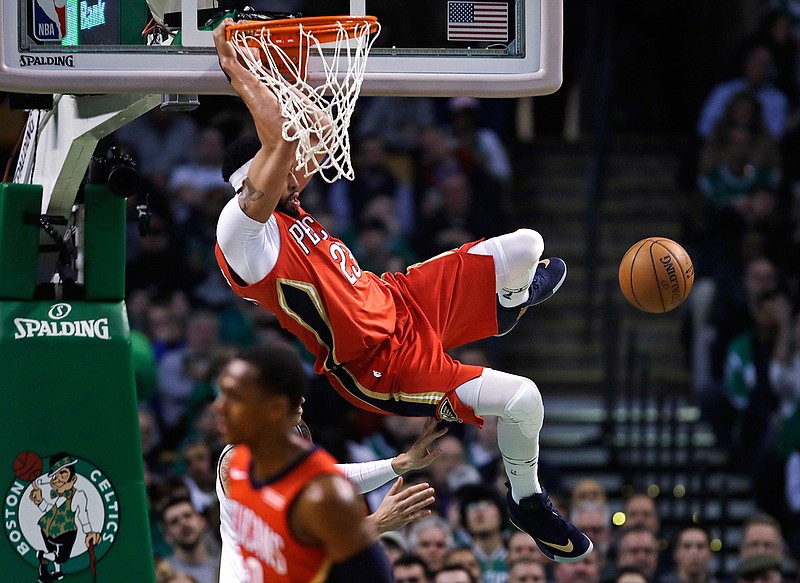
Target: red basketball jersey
[(320, 294), (260, 520), (380, 342)]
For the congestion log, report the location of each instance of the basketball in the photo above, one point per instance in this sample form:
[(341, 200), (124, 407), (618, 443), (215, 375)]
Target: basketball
[(28, 466), (656, 275)]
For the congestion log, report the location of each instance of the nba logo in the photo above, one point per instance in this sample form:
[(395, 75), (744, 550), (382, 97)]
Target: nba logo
[(49, 19)]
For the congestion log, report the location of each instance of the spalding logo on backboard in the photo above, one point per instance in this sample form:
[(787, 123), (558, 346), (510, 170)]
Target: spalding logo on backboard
[(49, 19)]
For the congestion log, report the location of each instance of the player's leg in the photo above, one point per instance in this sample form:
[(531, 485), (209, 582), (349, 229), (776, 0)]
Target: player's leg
[(452, 293), (522, 278), (517, 403), (515, 258), (456, 290)]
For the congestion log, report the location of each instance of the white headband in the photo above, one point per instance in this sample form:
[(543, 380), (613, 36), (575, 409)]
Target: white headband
[(237, 178)]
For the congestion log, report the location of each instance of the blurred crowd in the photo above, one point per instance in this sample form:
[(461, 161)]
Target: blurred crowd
[(431, 174), (743, 232)]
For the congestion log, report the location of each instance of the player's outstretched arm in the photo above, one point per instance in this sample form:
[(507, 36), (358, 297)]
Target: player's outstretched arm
[(329, 512), (368, 476), (267, 178), (399, 507)]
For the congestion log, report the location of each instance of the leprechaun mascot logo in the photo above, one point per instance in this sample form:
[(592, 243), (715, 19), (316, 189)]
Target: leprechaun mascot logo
[(61, 519)]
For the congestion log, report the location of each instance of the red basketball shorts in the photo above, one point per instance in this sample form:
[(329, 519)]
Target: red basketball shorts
[(442, 303)]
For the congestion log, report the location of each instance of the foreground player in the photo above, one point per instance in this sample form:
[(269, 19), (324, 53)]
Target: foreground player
[(398, 508), (295, 517), (381, 341)]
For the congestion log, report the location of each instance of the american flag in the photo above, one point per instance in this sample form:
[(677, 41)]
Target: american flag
[(477, 21)]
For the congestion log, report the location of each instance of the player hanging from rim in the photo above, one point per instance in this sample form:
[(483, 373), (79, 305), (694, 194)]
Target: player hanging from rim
[(398, 508), (381, 341)]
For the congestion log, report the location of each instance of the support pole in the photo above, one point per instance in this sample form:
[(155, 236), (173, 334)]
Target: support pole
[(59, 143), (71, 470)]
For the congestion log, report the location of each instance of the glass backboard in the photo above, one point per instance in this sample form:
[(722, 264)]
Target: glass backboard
[(427, 47)]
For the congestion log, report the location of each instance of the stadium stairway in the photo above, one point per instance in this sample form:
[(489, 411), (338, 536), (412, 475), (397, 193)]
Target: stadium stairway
[(654, 443), (615, 381), (640, 200)]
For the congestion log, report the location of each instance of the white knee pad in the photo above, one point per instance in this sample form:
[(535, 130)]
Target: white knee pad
[(522, 250), (527, 247), (512, 398), (526, 408), (515, 256)]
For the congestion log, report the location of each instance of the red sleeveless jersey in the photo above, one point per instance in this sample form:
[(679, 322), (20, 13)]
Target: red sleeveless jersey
[(320, 294), (260, 520), (380, 341)]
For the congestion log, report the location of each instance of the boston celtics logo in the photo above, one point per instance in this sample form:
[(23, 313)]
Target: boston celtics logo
[(62, 518)]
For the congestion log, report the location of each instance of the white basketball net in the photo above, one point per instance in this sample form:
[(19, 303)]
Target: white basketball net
[(343, 68)]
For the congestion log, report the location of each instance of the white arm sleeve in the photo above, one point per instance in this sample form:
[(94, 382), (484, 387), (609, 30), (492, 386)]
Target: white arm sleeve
[(368, 475), (250, 248)]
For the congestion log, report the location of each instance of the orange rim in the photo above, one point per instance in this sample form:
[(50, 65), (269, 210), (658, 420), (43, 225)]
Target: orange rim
[(324, 28)]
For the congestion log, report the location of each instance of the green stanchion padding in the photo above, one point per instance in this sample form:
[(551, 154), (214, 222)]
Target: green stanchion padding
[(104, 244), (71, 467), (19, 244), (70, 456)]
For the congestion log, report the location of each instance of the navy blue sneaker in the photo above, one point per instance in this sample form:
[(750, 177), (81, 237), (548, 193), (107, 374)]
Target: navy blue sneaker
[(550, 274), (558, 539)]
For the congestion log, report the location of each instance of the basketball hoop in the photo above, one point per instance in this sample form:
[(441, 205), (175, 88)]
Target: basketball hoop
[(278, 53)]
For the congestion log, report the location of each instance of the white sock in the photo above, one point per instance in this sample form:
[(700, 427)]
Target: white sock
[(516, 292), (520, 459), (516, 402), (515, 258)]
